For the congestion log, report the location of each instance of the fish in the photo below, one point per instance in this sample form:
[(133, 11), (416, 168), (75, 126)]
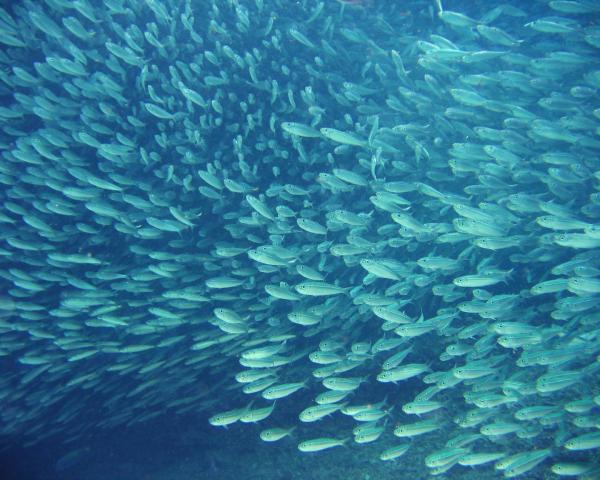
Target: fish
[(319, 289), (342, 137), (395, 452), (319, 444), (300, 130), (275, 434), (587, 441), (357, 211), (317, 412)]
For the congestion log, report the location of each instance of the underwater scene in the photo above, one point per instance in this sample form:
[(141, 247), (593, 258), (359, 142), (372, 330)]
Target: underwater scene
[(299, 239)]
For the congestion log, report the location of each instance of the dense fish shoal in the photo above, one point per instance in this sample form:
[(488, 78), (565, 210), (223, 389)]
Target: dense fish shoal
[(359, 224)]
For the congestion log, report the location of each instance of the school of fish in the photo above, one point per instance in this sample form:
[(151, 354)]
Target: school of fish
[(379, 218)]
